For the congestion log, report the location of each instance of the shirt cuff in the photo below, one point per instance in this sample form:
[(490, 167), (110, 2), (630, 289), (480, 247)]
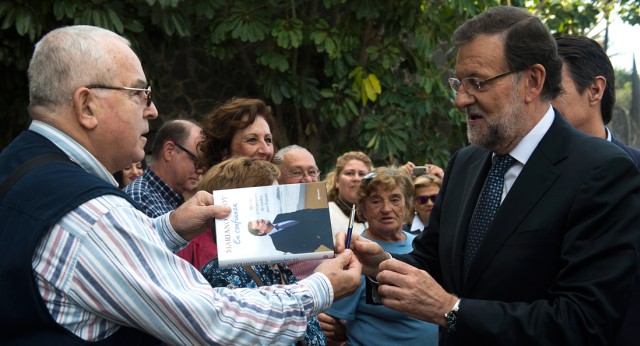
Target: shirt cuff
[(321, 291), (172, 240)]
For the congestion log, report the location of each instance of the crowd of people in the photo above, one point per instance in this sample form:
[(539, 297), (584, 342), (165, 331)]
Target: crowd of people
[(529, 236)]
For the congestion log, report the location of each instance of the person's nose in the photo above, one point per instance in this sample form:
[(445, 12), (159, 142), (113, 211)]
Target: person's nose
[(386, 207), (151, 112), (306, 177), (137, 171), (463, 98), (263, 147)]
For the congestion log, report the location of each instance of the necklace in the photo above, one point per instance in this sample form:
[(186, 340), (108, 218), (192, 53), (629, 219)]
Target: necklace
[(346, 205)]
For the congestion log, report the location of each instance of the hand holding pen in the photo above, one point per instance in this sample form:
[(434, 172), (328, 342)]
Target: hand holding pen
[(350, 229)]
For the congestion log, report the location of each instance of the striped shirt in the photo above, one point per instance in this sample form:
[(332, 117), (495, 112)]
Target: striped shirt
[(154, 195), (106, 264)]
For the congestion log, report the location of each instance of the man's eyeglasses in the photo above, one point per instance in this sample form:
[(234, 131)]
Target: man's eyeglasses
[(424, 199), (193, 156), (474, 83), (147, 91), (299, 174)]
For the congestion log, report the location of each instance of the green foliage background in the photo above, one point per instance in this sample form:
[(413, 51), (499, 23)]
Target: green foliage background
[(342, 75)]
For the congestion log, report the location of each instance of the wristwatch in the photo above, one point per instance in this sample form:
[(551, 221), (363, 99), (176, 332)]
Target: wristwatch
[(452, 316)]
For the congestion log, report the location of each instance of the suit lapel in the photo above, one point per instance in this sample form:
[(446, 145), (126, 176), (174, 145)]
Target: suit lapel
[(537, 176)]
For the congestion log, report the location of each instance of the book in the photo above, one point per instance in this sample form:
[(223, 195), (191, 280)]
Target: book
[(274, 224)]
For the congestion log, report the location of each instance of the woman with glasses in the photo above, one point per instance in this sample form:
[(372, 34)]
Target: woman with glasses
[(342, 186), (427, 187), (384, 199)]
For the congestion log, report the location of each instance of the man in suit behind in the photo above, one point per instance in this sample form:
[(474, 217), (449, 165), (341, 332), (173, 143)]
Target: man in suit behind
[(587, 100), (556, 264), (588, 89), (300, 231)]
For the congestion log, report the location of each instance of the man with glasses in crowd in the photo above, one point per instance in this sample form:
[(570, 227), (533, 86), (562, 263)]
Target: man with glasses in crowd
[(297, 165), (173, 170), (79, 262), (533, 236)]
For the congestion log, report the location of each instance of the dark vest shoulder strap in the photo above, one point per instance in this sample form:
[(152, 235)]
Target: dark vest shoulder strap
[(8, 183)]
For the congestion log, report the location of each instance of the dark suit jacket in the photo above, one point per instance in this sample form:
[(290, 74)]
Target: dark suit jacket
[(632, 152), (630, 331), (557, 265), (312, 230)]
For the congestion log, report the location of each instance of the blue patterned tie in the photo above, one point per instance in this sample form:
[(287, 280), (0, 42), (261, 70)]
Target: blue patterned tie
[(486, 208)]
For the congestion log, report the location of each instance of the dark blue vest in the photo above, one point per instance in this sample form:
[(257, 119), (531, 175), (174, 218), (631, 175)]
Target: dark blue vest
[(29, 209)]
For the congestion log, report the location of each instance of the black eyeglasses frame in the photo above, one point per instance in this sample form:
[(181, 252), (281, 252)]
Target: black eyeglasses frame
[(191, 154)]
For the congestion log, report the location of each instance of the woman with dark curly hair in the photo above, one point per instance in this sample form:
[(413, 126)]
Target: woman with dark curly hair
[(241, 126)]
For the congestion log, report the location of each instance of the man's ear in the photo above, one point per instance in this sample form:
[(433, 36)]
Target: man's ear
[(168, 150), (596, 90), (85, 108), (535, 77)]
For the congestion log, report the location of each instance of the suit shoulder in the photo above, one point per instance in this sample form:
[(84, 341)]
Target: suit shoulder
[(631, 151), (599, 148)]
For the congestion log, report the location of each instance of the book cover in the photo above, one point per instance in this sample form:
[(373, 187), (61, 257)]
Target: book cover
[(274, 224)]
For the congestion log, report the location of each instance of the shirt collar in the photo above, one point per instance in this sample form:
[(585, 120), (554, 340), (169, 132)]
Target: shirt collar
[(416, 224), (608, 132), (76, 152)]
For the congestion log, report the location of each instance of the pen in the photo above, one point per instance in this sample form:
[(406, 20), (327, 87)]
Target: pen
[(350, 229)]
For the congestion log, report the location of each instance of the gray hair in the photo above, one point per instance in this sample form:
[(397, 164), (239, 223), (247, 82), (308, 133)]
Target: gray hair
[(278, 158), (68, 58)]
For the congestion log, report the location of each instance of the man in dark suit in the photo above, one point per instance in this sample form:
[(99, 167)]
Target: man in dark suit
[(556, 264), (300, 231), (588, 89), (587, 100)]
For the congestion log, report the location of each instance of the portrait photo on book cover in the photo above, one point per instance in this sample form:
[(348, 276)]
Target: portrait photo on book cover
[(294, 232), (272, 224)]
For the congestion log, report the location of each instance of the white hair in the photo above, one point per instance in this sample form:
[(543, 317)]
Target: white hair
[(278, 158), (68, 58)]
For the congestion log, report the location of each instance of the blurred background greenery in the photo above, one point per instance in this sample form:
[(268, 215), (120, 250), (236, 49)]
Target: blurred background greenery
[(340, 75)]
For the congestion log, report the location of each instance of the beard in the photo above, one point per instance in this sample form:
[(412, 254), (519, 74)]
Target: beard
[(501, 129)]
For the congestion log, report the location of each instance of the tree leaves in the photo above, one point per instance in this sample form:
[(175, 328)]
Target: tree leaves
[(366, 86), (288, 33), (361, 75)]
